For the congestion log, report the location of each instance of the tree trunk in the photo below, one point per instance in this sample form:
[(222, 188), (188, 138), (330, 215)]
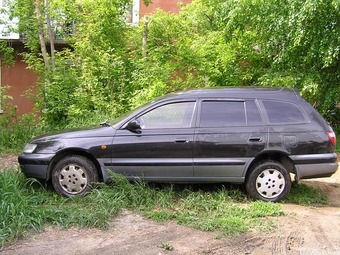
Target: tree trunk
[(50, 33), (145, 37), (41, 32)]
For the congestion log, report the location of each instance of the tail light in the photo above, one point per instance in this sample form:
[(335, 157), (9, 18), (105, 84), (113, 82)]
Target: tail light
[(332, 137)]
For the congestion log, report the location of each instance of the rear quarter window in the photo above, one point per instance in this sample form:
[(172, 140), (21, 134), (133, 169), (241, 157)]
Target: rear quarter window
[(279, 112)]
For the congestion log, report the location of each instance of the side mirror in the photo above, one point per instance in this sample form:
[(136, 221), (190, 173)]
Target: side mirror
[(134, 126)]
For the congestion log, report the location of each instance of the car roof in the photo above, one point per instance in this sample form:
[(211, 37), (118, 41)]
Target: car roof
[(238, 93)]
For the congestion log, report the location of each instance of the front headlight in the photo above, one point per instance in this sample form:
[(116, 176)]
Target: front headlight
[(30, 147)]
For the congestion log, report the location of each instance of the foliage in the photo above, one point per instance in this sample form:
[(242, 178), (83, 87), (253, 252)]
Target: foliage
[(245, 43), (15, 132), (84, 77), (6, 53), (302, 40), (112, 66), (5, 106)]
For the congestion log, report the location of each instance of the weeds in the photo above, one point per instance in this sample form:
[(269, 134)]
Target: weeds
[(167, 247)]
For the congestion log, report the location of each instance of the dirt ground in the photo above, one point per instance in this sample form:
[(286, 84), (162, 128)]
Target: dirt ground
[(303, 230)]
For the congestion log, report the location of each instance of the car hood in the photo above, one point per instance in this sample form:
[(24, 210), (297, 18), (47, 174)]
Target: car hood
[(84, 132)]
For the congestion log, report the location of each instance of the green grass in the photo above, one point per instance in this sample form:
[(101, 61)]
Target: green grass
[(27, 206), (303, 194)]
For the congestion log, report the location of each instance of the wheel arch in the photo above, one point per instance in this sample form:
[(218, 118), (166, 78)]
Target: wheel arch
[(75, 152), (277, 156)]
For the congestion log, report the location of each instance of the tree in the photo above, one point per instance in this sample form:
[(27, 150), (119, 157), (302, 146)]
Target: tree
[(74, 82), (191, 50), (246, 43), (209, 43), (302, 40)]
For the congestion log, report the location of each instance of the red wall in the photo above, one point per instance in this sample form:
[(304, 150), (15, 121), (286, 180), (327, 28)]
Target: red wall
[(166, 5), (19, 79)]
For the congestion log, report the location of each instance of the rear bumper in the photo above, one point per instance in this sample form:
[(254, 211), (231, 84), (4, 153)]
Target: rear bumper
[(315, 165), (35, 165), (315, 171)]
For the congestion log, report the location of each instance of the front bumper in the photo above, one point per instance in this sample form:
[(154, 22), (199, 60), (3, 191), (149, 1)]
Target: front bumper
[(35, 165)]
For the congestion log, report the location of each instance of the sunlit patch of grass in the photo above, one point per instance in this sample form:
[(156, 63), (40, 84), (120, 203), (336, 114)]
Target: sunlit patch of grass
[(217, 211), (303, 194)]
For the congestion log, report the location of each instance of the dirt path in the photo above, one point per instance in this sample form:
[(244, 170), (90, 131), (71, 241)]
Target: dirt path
[(303, 230)]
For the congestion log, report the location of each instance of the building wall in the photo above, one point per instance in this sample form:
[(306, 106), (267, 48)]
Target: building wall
[(166, 5), (19, 78)]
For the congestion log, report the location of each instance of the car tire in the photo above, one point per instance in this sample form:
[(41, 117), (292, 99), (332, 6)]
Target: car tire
[(74, 176), (268, 181)]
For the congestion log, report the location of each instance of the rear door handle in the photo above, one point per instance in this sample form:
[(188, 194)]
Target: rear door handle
[(255, 139), (181, 141)]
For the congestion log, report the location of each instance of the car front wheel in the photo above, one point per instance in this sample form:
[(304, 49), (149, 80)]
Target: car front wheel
[(268, 181), (74, 176)]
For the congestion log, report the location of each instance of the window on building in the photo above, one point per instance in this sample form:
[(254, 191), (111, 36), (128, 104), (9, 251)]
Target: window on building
[(133, 12)]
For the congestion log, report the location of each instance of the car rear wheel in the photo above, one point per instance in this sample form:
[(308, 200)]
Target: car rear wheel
[(74, 176), (268, 181)]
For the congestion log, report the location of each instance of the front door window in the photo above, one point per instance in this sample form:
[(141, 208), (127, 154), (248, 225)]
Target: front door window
[(176, 115)]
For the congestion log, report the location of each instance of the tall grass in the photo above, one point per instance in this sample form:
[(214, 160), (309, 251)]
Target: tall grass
[(27, 205), (18, 210)]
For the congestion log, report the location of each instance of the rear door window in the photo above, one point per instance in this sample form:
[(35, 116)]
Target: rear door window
[(253, 113), (222, 113)]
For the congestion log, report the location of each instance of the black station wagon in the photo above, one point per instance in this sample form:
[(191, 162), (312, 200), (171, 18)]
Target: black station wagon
[(258, 136)]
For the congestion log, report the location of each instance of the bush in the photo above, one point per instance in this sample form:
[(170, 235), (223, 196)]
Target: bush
[(15, 134)]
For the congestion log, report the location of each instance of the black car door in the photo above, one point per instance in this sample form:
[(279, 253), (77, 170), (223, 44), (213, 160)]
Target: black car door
[(162, 148)]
